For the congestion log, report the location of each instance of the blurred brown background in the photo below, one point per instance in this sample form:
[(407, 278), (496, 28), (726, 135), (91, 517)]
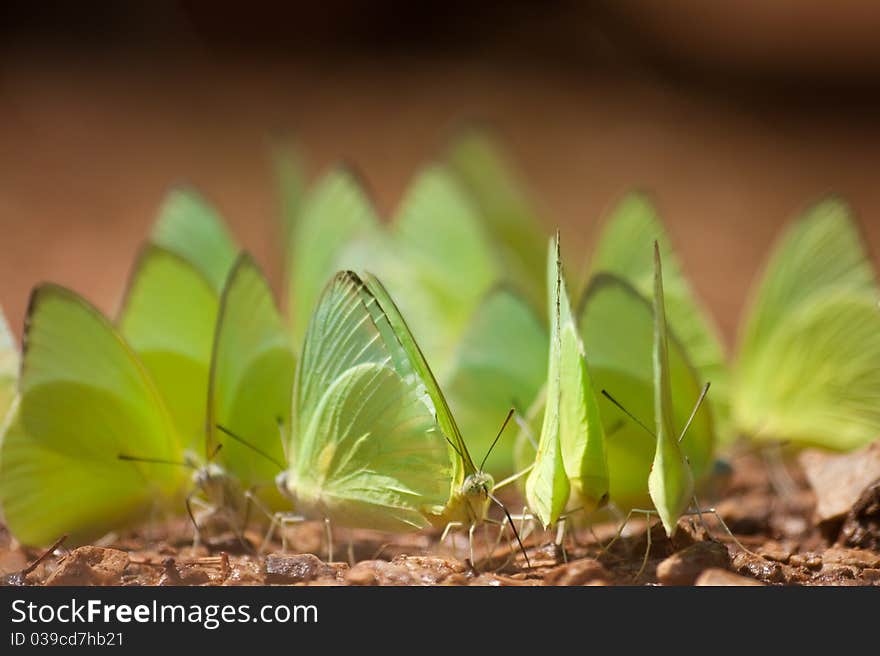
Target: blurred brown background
[(734, 116)]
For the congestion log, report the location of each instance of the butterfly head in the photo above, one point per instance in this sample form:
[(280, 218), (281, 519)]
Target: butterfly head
[(476, 489)]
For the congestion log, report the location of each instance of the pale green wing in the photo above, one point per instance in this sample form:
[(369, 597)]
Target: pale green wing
[(617, 324), (624, 249), (819, 384), (84, 400), (819, 257), (8, 366), (572, 439), (335, 213), (513, 227), (366, 450), (670, 483), (168, 318), (441, 266), (372, 455), (412, 356), (252, 370), (501, 362), (191, 228)]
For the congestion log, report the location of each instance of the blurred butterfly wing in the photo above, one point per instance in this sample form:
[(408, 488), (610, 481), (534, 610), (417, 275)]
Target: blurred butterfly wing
[(501, 362), (515, 232), (191, 228), (291, 185), (617, 327), (820, 382), (168, 318), (624, 249), (819, 257), (84, 399), (334, 213), (670, 482), (252, 370), (9, 362)]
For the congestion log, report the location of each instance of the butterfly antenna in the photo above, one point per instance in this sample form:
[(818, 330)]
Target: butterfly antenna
[(628, 413), (252, 447), (454, 448), (497, 437), (694, 411), (214, 453), (159, 461), (522, 547)]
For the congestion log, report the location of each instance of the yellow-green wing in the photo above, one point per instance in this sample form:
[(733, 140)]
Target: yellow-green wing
[(624, 249), (366, 450), (819, 384), (516, 235), (819, 258), (670, 483), (500, 363), (571, 456), (617, 326), (168, 318), (291, 184), (441, 265), (252, 370), (84, 399), (335, 213), (8, 366), (191, 228), (413, 357)]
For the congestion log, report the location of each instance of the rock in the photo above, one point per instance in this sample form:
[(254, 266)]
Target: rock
[(746, 515), (759, 568), (405, 570), (683, 567), (839, 481), (297, 568), (90, 566), (862, 525), (584, 571), (853, 557), (721, 577), (777, 551), (362, 574), (809, 560)]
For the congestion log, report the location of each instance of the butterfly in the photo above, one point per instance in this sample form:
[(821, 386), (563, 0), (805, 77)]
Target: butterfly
[(571, 463), (624, 249), (807, 368)]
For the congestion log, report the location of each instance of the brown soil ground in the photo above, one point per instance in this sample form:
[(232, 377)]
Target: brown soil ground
[(779, 544)]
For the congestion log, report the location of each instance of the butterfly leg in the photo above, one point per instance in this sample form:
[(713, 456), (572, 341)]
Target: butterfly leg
[(328, 534), (473, 527), (711, 511), (446, 531), (561, 530), (641, 571)]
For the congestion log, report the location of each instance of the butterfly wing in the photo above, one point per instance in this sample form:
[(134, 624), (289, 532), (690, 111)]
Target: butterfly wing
[(515, 232), (335, 213), (670, 482), (501, 362), (191, 228), (818, 261), (617, 326), (168, 318), (572, 440), (9, 360), (366, 450), (252, 370), (84, 399), (624, 249)]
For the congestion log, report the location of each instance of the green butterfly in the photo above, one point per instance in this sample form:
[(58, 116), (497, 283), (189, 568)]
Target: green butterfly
[(616, 324), (623, 249), (807, 369), (8, 366), (84, 398), (571, 461), (516, 233)]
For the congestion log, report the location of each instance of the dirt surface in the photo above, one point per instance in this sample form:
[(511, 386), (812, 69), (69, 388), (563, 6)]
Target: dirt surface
[(779, 535)]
